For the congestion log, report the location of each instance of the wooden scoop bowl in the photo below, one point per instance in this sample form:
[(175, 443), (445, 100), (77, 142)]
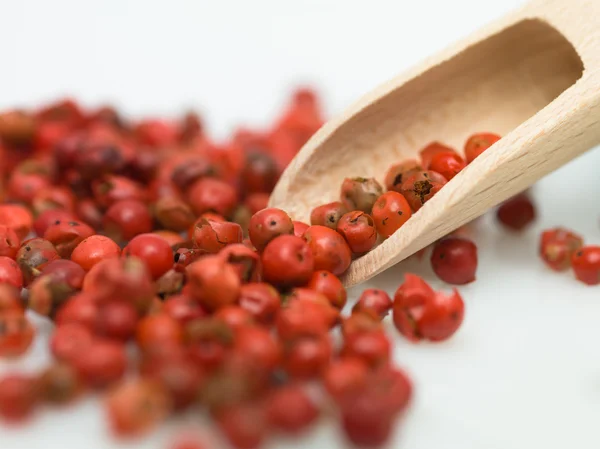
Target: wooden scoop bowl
[(532, 77)]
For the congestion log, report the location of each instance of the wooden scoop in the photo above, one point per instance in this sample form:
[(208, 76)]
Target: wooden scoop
[(532, 77)]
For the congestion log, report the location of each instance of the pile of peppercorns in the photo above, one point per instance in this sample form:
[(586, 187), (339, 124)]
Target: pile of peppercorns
[(148, 234)]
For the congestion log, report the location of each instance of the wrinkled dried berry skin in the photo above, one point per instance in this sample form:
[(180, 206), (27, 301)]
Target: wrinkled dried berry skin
[(359, 231), (33, 256), (557, 247), (360, 193), (328, 214), (397, 172), (212, 236), (419, 187)]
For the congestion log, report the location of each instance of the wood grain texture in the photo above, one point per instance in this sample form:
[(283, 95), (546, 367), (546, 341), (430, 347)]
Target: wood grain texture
[(533, 77)]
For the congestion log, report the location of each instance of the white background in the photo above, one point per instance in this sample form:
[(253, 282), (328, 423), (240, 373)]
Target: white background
[(524, 370)]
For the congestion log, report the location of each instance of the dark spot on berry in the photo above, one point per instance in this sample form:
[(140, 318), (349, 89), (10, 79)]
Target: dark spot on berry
[(57, 222), (454, 316), (272, 223), (384, 221), (73, 223), (398, 179), (399, 212), (27, 248)]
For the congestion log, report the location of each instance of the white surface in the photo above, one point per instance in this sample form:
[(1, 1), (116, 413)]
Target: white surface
[(523, 372)]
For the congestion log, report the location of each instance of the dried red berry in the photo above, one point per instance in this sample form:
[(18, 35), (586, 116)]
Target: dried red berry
[(329, 249), (93, 250), (478, 143), (516, 213), (18, 397), (328, 214), (420, 186), (268, 224), (329, 285), (397, 172), (154, 251), (213, 282), (359, 231), (125, 219), (557, 247), (290, 252), (454, 260), (390, 212), (16, 333), (375, 300), (586, 264), (212, 236), (360, 193), (291, 410)]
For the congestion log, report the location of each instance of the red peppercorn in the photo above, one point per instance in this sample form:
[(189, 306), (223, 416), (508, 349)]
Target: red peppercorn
[(33, 256), (268, 224), (307, 357), (10, 298), (154, 251), (125, 219), (420, 186), (116, 320), (18, 397), (260, 300), (359, 231), (22, 187), (126, 280), (360, 322), (93, 250), (478, 143), (516, 213), (454, 260), (360, 194), (158, 329), (213, 282), (291, 410), (421, 313), (290, 252), (136, 407), (431, 150), (79, 309), (60, 384), (557, 247), (329, 249), (397, 172), (173, 214), (373, 347), (66, 235), (112, 189), (586, 264), (244, 260), (345, 376), (48, 218), (102, 364), (260, 173), (255, 202), (178, 376), (375, 300), (234, 316), (212, 236), (390, 212), (18, 218), (9, 242), (69, 341), (10, 272), (54, 197), (258, 344), (88, 211), (212, 195), (65, 271), (243, 425), (183, 308), (299, 228), (447, 164), (171, 237), (16, 333), (329, 285), (328, 214)]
